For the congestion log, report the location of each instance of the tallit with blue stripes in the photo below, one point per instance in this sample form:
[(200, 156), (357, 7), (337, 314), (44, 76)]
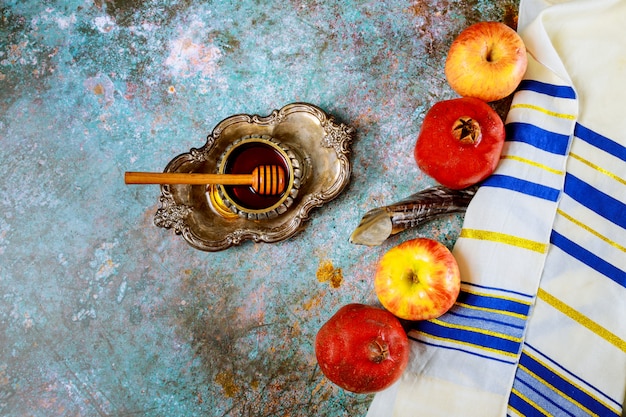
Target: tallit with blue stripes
[(539, 328)]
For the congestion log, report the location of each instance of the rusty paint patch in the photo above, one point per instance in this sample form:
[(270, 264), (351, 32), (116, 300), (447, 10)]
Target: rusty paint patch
[(314, 302), (327, 272), (227, 381), (511, 15), (98, 89)]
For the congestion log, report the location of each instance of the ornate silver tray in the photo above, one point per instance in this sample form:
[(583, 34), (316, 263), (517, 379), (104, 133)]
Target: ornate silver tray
[(196, 212)]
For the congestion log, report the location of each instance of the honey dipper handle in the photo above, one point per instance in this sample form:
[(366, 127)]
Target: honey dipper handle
[(265, 179), (186, 178)]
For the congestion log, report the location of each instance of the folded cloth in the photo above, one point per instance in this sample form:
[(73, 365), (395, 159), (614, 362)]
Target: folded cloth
[(540, 324)]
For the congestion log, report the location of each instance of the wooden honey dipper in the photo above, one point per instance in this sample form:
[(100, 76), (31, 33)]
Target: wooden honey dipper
[(264, 179)]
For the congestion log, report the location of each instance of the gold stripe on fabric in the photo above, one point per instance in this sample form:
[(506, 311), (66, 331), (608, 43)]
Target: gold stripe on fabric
[(504, 238), (516, 411), (570, 381), (499, 297), (585, 321), (531, 402), (590, 230), (533, 163), (553, 388), (476, 330), (492, 310), (544, 111), (598, 168), (475, 346)]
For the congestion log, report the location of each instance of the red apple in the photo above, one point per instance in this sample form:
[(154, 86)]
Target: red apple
[(417, 280), (487, 61), (362, 349)]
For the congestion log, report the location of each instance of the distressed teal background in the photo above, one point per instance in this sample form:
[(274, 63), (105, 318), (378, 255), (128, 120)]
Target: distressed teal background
[(104, 314)]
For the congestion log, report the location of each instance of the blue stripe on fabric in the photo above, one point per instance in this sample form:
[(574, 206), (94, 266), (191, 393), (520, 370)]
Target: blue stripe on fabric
[(521, 406), (600, 142), (493, 303), (457, 349), (522, 186), (500, 320), (539, 138), (467, 336), (561, 384), (560, 91), (606, 206), (568, 373), (537, 394), (493, 325), (485, 287), (588, 258)]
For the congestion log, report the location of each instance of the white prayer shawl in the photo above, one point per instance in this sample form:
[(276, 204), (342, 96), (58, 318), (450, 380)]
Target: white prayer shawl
[(540, 325)]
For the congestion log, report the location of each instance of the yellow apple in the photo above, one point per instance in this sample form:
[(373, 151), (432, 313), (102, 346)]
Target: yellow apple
[(487, 61), (417, 280)]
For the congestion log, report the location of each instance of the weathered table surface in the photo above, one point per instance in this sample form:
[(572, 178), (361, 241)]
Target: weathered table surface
[(103, 313)]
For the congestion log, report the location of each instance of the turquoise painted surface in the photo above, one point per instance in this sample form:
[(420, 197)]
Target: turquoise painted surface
[(104, 314)]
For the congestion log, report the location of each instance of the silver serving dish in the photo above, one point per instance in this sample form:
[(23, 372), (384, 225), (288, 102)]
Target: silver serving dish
[(200, 214)]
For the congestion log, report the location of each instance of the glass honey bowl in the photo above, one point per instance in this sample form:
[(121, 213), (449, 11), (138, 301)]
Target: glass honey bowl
[(245, 154)]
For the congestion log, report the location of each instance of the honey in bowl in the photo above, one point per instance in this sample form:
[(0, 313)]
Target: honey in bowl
[(243, 160)]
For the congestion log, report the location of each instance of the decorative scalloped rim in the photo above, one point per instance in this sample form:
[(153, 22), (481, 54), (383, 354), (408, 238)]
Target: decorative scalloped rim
[(337, 136), (283, 205)]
